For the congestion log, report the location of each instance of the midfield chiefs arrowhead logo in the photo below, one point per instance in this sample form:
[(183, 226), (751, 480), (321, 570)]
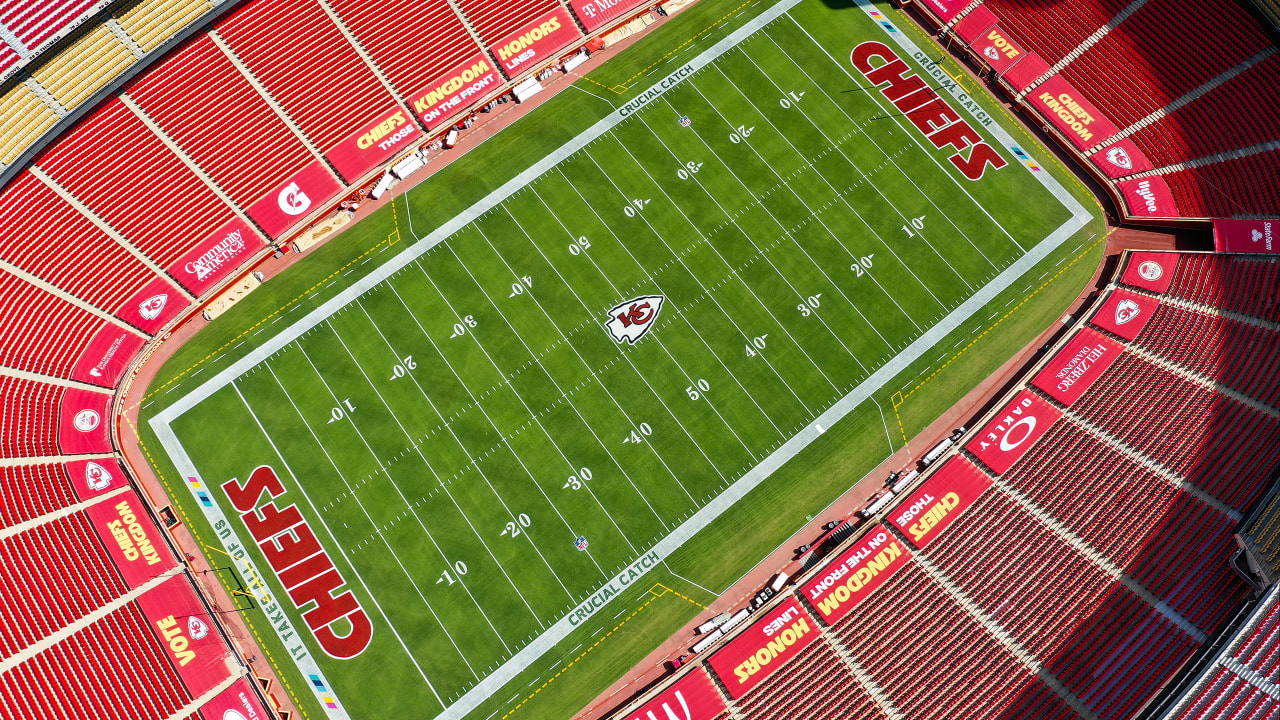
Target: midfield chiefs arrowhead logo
[(150, 308), (1126, 310), (1118, 157), (1150, 270), (96, 476), (630, 320)]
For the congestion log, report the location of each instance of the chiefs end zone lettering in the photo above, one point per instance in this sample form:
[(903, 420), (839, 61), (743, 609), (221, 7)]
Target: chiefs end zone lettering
[(82, 422), (132, 540), (853, 576), (212, 260), (1150, 270), (692, 697), (1125, 313), (303, 567), (388, 134), (188, 633), (931, 114), (1077, 365), (764, 647), (535, 42), (1013, 431), (291, 201), (454, 90), (106, 356), (943, 498)]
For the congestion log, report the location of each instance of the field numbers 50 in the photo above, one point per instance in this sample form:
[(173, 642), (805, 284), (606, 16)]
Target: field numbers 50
[(513, 528), (579, 246), (697, 389)]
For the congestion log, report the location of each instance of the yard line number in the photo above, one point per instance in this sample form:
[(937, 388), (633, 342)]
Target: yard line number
[(759, 344), (861, 267), (459, 567), (579, 246), (401, 368), (917, 223), (460, 329), (636, 438), (697, 389), (742, 133), (636, 205), (790, 99), (807, 307), (513, 528), (342, 410), (518, 288), (575, 481), (690, 169)]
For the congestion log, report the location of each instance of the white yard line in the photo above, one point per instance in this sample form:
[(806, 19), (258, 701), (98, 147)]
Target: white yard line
[(377, 529), (179, 460), (396, 485), (961, 314)]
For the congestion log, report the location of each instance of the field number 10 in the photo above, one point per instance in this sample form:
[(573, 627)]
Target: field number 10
[(917, 223), (791, 99), (458, 567), (341, 411)]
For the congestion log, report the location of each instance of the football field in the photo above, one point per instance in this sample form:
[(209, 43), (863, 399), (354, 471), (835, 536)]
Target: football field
[(530, 407)]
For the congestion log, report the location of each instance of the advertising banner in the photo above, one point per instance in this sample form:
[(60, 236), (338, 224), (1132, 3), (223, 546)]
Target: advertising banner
[(1247, 236), (1148, 197), (82, 422), (852, 577), (389, 133), (455, 90), (692, 697), (1026, 71), (997, 49), (1080, 362), (760, 650), (595, 14), (131, 538), (153, 306), (535, 42), (946, 10), (106, 356), (188, 634), (1121, 158), (1125, 313), (90, 478), (1150, 270), (943, 498), (976, 24), (236, 703), (1064, 106), (206, 264), (1013, 431), (290, 202)]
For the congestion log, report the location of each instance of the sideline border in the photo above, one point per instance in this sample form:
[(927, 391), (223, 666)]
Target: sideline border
[(526, 656)]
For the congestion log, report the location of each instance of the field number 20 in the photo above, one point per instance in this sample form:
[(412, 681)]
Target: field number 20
[(400, 368), (861, 267), (513, 528), (743, 133)]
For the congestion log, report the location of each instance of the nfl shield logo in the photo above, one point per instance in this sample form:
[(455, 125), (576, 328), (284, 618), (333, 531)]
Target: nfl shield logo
[(685, 121), (581, 542)]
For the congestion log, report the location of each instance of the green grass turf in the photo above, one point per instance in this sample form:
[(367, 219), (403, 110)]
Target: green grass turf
[(486, 435)]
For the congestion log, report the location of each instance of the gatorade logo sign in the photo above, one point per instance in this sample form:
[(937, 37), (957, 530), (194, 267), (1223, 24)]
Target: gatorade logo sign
[(940, 501), (764, 648), (1126, 313), (853, 576), (288, 203), (926, 110), (692, 697), (1013, 431)]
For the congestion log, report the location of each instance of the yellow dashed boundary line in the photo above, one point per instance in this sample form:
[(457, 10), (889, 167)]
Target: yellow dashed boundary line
[(561, 671), (266, 651), (899, 398), (392, 239), (897, 401), (626, 84), (666, 590)]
